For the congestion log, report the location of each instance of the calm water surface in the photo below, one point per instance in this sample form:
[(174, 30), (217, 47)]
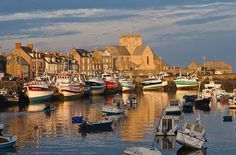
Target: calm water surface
[(54, 133)]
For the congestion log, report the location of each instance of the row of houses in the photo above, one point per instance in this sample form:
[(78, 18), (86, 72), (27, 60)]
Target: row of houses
[(130, 55)]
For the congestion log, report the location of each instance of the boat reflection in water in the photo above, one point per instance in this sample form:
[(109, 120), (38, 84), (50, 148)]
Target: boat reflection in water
[(42, 134), (167, 143), (143, 119), (186, 151)]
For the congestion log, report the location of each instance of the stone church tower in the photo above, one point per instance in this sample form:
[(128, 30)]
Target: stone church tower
[(131, 42)]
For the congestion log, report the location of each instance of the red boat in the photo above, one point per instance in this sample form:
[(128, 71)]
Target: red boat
[(112, 85)]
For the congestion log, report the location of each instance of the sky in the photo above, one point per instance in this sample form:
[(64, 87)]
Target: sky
[(177, 30)]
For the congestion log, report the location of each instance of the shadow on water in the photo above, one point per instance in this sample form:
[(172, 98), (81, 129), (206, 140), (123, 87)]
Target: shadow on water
[(8, 150), (187, 151), (85, 132)]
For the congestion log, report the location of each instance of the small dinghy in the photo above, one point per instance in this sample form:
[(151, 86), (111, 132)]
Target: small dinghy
[(227, 118), (48, 109), (117, 106), (78, 119), (102, 125), (141, 151), (7, 141)]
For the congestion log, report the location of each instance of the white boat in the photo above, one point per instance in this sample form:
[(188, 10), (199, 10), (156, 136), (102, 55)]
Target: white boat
[(69, 85), (173, 108), (207, 93), (183, 82), (9, 95), (212, 85), (141, 151), (117, 106), (97, 85), (191, 135), (38, 91), (127, 84), (168, 125), (232, 103), (153, 83), (7, 141)]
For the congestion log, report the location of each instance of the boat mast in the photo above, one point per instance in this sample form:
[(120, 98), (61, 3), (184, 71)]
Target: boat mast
[(36, 66)]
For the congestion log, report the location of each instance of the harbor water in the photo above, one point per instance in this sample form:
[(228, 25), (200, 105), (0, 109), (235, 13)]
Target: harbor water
[(54, 133)]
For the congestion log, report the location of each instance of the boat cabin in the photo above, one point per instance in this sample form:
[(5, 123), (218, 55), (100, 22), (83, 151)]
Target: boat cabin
[(174, 102), (168, 125), (195, 129)]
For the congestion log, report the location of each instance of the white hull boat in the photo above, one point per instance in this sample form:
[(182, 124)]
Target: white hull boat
[(191, 135), (141, 151), (112, 110), (38, 91)]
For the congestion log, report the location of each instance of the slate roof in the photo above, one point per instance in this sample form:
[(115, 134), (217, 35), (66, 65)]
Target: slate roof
[(118, 50), (139, 50), (83, 52)]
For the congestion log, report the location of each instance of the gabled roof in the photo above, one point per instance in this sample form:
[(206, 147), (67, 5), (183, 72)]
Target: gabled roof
[(27, 50), (83, 52), (139, 50), (194, 65), (118, 50)]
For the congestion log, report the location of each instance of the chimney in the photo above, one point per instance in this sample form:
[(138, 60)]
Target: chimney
[(30, 45), (18, 45)]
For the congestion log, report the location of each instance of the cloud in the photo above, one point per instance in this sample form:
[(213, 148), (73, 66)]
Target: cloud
[(163, 25)]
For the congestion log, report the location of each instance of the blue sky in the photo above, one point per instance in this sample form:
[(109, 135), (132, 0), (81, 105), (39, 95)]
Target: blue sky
[(178, 31)]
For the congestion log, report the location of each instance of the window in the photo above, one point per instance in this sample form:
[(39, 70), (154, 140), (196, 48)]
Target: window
[(147, 60)]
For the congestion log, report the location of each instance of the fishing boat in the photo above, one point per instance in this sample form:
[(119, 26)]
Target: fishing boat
[(127, 84), (183, 82), (7, 141), (168, 125), (153, 83), (96, 126), (117, 106), (69, 85), (191, 135), (173, 108), (201, 101), (112, 85), (9, 96), (141, 151), (38, 91), (97, 85)]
